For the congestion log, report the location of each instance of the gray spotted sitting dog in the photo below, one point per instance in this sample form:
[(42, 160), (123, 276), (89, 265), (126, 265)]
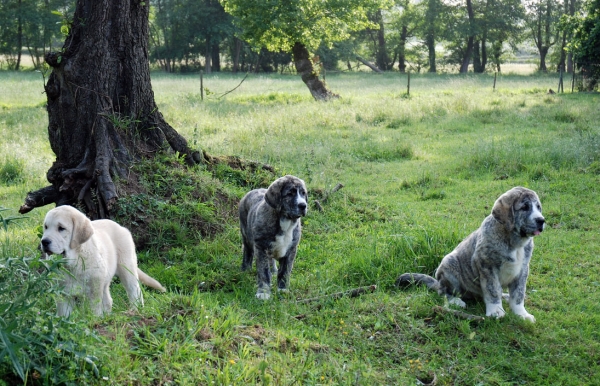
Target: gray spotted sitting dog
[(493, 257), (271, 229)]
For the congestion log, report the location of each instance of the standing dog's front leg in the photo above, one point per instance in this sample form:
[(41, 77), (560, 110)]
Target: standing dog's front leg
[(263, 274), (285, 269)]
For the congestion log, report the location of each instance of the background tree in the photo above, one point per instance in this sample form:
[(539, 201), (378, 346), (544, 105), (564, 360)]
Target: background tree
[(300, 26), (586, 43), (101, 109), (405, 20), (542, 22)]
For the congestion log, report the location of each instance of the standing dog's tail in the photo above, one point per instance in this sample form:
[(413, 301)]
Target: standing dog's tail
[(149, 281), (417, 278)]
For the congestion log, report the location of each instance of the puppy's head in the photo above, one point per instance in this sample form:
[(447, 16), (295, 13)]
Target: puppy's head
[(520, 211), (288, 196), (65, 228)]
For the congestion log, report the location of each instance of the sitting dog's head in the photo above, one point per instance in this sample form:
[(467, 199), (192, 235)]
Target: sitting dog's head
[(520, 211), (288, 196), (65, 228)]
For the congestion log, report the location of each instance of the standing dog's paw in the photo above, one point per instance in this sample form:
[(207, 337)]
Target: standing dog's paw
[(263, 295)]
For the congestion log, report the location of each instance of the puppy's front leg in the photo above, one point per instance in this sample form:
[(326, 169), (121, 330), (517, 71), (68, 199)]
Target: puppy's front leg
[(285, 269), (492, 293), (263, 274), (516, 289)]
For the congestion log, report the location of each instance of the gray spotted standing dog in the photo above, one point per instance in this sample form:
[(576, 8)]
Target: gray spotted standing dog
[(271, 229), (494, 257)]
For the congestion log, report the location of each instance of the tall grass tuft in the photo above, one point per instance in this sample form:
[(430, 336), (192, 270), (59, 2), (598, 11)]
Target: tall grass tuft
[(36, 345), (11, 170)]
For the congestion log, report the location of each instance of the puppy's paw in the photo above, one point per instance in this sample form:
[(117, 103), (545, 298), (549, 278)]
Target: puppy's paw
[(457, 302), (494, 310), (519, 310), (263, 294), (283, 290)]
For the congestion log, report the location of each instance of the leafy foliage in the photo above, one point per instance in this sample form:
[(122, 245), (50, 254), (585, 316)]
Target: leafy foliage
[(586, 42), (277, 24)]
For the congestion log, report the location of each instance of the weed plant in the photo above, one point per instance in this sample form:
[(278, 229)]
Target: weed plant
[(419, 173)]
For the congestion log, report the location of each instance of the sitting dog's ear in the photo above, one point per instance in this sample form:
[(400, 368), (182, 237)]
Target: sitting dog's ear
[(82, 230), (273, 195), (503, 210)]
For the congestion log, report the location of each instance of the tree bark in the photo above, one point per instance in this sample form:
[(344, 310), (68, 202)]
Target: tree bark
[(402, 49), (382, 56), (464, 67), (236, 54), (101, 109), (304, 67), (369, 64)]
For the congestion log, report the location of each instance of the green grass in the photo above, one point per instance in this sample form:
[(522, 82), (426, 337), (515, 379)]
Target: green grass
[(420, 172)]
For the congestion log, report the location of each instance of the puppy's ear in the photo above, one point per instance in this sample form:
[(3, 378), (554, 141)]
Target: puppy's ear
[(82, 230), (273, 195), (503, 210)]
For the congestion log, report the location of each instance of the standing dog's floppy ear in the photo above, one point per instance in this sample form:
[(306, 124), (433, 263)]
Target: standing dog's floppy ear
[(273, 195), (82, 229), (503, 210)]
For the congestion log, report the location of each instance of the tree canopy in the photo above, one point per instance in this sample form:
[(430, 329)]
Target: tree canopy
[(279, 24)]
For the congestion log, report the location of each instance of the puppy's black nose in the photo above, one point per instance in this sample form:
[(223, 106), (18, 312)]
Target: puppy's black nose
[(540, 222), (45, 242), (302, 206)]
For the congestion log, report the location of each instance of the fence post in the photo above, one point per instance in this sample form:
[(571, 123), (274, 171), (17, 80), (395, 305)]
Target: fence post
[(408, 85), (201, 85), (495, 73)]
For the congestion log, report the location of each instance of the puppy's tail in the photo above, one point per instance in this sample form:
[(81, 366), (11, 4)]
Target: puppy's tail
[(408, 279), (150, 282)]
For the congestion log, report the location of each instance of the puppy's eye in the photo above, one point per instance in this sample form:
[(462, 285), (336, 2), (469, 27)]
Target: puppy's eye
[(45, 226), (525, 207), (60, 229)]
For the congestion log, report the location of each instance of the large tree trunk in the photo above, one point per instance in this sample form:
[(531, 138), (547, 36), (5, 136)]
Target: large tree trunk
[(304, 67), (101, 109)]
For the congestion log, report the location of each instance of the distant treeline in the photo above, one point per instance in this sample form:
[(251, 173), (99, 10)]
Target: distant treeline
[(415, 35)]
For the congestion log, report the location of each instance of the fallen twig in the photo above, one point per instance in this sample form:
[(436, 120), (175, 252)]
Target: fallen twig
[(351, 293), (460, 314), (319, 204)]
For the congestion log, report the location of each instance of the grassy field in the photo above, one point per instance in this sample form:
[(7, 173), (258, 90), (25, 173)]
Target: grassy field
[(420, 173)]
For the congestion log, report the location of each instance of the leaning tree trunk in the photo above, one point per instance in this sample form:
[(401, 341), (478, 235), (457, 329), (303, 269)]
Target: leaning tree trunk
[(304, 67), (101, 109)]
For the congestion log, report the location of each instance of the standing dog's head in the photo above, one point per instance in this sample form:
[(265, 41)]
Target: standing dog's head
[(520, 211), (288, 196), (65, 228)]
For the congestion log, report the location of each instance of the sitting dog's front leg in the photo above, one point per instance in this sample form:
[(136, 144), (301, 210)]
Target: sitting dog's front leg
[(516, 300), (492, 293)]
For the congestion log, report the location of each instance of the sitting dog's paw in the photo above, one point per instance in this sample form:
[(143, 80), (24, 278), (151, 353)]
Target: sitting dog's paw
[(528, 317), (283, 290), (494, 310), (457, 302), (263, 295)]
